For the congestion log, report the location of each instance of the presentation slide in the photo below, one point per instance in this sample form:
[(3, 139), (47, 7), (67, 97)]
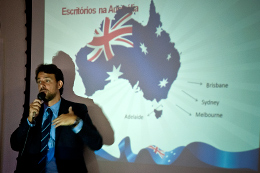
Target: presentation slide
[(177, 80)]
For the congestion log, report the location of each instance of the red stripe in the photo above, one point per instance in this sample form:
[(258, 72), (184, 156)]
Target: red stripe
[(95, 56), (98, 41), (126, 41), (121, 20)]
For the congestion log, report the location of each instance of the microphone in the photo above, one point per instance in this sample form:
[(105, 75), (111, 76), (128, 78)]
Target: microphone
[(40, 96)]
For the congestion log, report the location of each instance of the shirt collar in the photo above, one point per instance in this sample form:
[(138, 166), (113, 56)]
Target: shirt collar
[(54, 108)]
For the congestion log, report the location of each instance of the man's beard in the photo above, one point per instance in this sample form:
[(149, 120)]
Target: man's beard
[(49, 96)]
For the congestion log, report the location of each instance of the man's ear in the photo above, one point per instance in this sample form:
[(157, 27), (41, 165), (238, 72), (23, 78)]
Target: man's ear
[(60, 84)]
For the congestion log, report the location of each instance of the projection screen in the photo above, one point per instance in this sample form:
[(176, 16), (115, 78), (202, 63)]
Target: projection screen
[(173, 83)]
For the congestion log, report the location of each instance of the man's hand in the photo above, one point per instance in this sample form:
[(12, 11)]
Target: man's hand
[(35, 107), (65, 119)]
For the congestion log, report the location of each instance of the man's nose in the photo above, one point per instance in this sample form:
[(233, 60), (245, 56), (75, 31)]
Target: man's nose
[(42, 85)]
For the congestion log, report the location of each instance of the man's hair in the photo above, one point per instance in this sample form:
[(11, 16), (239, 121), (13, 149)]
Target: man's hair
[(51, 69)]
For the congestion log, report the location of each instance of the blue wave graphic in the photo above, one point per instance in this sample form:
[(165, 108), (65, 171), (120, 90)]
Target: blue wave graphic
[(224, 159), (203, 152)]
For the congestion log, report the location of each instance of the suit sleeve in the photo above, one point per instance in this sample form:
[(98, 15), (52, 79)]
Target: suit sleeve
[(89, 134), (18, 137)]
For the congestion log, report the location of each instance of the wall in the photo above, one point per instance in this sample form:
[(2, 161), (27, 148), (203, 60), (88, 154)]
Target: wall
[(13, 33)]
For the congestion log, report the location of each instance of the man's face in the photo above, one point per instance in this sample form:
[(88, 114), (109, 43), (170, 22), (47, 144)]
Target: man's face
[(47, 83)]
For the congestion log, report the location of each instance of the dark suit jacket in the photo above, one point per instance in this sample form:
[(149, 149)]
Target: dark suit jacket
[(68, 145)]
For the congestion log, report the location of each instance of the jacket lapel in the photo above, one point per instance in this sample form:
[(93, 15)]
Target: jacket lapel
[(63, 109)]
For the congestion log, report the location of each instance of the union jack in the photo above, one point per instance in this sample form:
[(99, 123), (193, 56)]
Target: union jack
[(156, 150), (103, 40)]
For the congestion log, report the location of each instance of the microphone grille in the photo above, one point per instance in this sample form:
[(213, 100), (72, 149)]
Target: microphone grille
[(41, 96)]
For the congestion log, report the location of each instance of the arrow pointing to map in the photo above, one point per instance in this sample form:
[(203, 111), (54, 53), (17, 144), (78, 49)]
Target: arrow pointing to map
[(183, 110), (196, 83), (190, 96)]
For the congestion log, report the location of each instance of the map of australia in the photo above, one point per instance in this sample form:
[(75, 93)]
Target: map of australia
[(123, 48)]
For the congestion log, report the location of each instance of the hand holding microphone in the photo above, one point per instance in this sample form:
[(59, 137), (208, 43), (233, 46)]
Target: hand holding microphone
[(35, 106)]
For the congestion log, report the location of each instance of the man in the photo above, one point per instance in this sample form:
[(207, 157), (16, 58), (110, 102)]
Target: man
[(59, 147)]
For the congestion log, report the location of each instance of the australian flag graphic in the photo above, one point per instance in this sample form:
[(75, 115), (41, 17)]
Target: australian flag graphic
[(144, 55)]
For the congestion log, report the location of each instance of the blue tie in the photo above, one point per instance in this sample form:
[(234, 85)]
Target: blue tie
[(46, 128)]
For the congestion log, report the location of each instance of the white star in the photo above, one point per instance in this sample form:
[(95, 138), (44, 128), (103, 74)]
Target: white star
[(158, 31), (114, 74), (144, 49), (169, 57), (163, 83)]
